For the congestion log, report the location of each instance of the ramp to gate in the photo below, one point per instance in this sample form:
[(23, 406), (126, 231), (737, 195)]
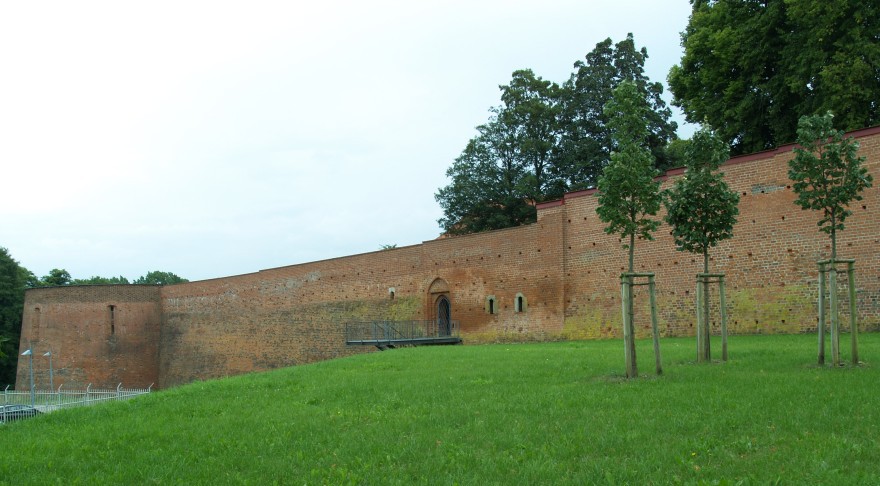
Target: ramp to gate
[(390, 334)]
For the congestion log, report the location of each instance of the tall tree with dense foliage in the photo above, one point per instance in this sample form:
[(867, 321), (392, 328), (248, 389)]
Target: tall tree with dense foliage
[(701, 209), (629, 195), (12, 286), (503, 171), (545, 140), (750, 68), (484, 190), (586, 141)]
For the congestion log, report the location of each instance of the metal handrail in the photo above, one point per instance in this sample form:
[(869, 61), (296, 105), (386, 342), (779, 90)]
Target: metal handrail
[(388, 331), (47, 401)]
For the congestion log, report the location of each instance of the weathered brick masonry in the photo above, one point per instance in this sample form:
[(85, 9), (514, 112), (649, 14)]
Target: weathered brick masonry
[(104, 334), (565, 268)]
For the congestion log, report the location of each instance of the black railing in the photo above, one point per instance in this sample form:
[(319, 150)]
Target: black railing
[(391, 333)]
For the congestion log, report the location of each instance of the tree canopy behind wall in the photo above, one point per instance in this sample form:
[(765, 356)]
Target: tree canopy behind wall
[(751, 68), (547, 139)]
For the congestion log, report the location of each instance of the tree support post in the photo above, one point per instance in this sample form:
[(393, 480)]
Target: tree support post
[(830, 267), (722, 301), (853, 312), (701, 347), (703, 325), (628, 339), (821, 326), (627, 282), (835, 325), (658, 365)]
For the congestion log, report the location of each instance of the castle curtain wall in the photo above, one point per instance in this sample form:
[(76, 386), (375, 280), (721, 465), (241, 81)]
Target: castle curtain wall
[(284, 316), (555, 279), (297, 314), (770, 263)]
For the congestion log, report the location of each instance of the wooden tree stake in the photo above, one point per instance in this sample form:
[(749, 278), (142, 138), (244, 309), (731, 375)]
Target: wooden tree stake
[(704, 352), (627, 282), (830, 267), (821, 326), (853, 312)]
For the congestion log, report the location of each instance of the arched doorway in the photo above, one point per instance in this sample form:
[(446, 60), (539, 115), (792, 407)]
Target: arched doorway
[(440, 307), (444, 316)]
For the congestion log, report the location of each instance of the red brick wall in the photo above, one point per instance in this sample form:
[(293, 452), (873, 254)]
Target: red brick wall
[(296, 314), (770, 264), (88, 344), (565, 266)]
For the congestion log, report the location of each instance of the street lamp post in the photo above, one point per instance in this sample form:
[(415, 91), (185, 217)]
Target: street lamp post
[(29, 353), (51, 377)]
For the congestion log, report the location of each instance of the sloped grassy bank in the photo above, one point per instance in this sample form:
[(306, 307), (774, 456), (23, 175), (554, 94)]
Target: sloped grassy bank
[(495, 414)]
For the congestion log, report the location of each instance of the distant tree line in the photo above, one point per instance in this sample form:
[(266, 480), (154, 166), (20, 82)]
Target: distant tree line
[(58, 277), (15, 279)]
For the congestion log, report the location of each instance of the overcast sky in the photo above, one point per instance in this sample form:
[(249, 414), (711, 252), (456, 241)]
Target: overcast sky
[(215, 138)]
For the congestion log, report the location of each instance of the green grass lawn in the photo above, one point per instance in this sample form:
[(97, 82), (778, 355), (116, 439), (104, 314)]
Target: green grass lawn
[(496, 414)]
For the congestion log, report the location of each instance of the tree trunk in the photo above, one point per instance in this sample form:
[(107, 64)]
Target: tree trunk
[(707, 348), (832, 289), (632, 249), (632, 368), (853, 314), (626, 297)]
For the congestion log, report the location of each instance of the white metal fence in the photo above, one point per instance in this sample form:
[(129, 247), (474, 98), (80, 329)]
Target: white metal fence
[(48, 401)]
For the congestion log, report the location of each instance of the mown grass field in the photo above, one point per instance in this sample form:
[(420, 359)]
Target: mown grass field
[(555, 413)]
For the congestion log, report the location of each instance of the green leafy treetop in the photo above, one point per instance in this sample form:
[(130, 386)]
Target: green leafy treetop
[(505, 168), (56, 277), (545, 140), (628, 193), (700, 207), (751, 67), (96, 280), (827, 173), (159, 278)]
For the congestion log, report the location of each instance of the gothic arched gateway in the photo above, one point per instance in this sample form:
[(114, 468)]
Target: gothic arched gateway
[(441, 306)]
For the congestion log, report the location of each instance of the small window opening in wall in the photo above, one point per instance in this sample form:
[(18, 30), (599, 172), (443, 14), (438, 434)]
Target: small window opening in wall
[(519, 305), (490, 304), (112, 319), (391, 292)]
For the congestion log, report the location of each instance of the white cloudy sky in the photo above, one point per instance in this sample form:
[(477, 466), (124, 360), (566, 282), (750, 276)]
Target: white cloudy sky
[(216, 138)]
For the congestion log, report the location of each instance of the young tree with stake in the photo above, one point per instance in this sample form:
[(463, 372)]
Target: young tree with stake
[(827, 176), (628, 193), (701, 209)]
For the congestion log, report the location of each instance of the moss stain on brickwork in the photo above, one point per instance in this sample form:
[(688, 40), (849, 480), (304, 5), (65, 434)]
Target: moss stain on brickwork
[(594, 322), (771, 311)]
